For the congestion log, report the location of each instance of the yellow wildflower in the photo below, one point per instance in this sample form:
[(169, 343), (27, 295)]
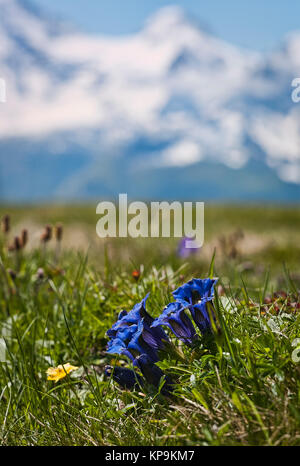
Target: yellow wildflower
[(59, 372)]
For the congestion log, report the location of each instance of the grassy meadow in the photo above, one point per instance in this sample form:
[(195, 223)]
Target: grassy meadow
[(58, 299)]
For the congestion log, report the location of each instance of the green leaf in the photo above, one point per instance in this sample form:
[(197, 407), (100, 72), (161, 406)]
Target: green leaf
[(199, 397)]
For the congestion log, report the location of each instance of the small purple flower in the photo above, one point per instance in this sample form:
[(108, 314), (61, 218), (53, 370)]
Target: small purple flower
[(127, 378), (174, 317), (183, 251)]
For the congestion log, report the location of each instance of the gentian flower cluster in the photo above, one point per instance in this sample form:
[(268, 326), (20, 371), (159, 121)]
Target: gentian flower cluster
[(142, 339), (133, 335)]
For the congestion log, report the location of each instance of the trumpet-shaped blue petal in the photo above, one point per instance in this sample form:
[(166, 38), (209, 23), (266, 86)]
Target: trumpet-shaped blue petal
[(138, 344), (117, 346), (133, 317), (137, 339), (195, 295), (202, 317), (195, 291), (174, 317), (113, 330), (133, 333)]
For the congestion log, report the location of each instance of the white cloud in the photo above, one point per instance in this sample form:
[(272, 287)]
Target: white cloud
[(125, 87), (183, 153), (279, 137)]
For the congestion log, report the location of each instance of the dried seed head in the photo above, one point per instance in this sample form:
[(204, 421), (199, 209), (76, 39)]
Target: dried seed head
[(17, 243), (12, 274), (5, 224), (24, 237), (47, 234), (58, 232)]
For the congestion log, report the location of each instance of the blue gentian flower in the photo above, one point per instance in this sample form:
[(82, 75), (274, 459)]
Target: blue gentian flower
[(195, 295), (195, 290), (201, 316), (174, 317), (133, 341), (117, 346), (140, 337), (153, 373), (113, 330), (127, 378), (133, 317), (138, 344), (132, 334)]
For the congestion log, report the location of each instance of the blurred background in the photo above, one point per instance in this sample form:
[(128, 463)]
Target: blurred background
[(162, 100), (158, 99)]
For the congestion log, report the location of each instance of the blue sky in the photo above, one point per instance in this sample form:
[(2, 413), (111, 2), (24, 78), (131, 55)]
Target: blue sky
[(255, 24)]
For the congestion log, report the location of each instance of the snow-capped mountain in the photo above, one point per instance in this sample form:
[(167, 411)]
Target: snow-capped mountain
[(89, 115)]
